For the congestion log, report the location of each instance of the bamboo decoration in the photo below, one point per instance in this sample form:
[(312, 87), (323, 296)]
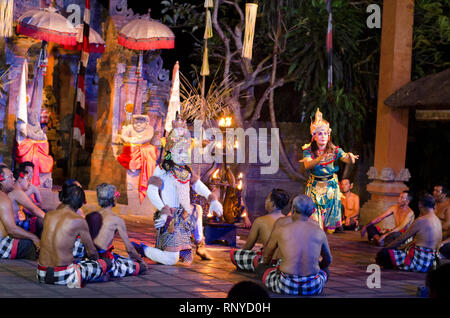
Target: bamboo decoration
[(208, 28), (208, 4), (205, 64), (6, 18), (250, 20)]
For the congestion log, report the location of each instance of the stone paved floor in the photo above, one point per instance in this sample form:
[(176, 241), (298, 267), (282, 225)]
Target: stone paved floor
[(213, 279)]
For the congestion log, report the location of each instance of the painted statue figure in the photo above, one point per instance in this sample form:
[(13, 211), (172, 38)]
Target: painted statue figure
[(32, 145), (139, 150)]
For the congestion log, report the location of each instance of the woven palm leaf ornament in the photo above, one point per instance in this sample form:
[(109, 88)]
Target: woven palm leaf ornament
[(6, 18), (250, 21), (207, 35)]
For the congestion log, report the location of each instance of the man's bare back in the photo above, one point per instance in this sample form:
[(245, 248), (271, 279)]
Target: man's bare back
[(61, 228), (300, 244), (112, 223), (426, 230)]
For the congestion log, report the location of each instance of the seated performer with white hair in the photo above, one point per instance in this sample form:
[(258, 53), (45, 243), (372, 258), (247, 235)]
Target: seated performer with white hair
[(103, 226), (177, 219)]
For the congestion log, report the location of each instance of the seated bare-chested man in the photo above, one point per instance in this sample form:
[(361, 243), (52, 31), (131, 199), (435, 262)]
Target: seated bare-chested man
[(61, 229), (403, 216), (301, 243), (426, 232), (23, 179), (443, 213), (15, 242), (19, 198), (246, 258), (103, 226)]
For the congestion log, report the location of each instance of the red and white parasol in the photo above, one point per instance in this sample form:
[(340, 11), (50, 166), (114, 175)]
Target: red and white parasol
[(47, 25), (142, 34), (96, 43)]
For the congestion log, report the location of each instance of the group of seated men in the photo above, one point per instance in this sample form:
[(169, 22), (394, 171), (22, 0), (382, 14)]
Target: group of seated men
[(295, 256), (294, 260), (71, 249)]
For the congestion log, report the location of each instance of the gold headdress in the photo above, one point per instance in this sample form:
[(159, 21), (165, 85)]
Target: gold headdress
[(319, 122), (177, 135)]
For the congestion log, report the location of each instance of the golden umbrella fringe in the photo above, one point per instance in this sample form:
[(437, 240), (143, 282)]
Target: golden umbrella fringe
[(6, 18), (205, 64), (208, 4), (250, 20), (208, 28)]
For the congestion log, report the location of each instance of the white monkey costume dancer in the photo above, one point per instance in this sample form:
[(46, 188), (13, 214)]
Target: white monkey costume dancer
[(176, 218)]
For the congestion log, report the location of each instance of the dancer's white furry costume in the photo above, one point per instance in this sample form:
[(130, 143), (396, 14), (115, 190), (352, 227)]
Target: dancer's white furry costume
[(168, 190)]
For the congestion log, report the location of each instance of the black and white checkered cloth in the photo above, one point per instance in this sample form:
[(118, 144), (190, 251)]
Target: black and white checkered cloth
[(78, 248), (246, 260), (8, 247), (73, 275), (413, 258), (288, 284), (121, 266)]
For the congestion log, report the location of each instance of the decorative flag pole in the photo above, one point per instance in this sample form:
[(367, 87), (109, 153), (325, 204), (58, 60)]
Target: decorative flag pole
[(174, 100), (78, 130), (330, 44)]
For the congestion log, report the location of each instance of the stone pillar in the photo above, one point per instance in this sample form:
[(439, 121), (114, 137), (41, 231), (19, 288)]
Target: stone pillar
[(104, 166), (392, 124)]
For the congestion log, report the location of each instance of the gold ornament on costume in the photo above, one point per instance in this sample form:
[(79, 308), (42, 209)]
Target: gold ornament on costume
[(177, 135), (319, 122)]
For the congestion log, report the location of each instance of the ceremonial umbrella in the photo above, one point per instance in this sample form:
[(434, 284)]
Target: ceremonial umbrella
[(96, 43), (142, 35), (48, 26)]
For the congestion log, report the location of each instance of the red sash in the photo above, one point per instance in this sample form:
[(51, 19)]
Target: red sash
[(143, 157), (35, 151)]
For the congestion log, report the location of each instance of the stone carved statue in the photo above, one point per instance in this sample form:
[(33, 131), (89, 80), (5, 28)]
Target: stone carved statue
[(139, 151), (372, 173), (403, 175), (387, 174), (33, 146)]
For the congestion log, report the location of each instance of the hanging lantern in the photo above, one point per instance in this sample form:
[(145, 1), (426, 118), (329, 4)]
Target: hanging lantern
[(250, 20)]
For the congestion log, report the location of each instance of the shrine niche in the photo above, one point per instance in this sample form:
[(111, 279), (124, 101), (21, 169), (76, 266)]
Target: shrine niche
[(136, 129)]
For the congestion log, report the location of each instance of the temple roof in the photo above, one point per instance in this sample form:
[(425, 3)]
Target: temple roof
[(431, 92)]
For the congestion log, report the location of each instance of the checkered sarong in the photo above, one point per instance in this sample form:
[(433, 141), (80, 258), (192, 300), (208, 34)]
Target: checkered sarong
[(246, 260), (413, 258), (73, 275), (121, 266), (180, 238), (78, 248), (288, 284), (8, 247)]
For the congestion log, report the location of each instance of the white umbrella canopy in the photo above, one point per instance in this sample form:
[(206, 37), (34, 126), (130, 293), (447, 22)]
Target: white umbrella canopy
[(96, 43), (143, 34), (47, 25)]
